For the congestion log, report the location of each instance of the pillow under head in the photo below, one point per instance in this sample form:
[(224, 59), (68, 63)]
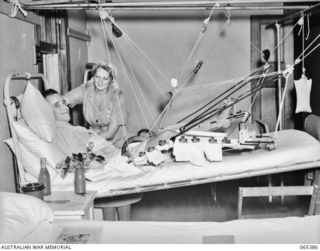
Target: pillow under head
[(39, 147), (38, 114)]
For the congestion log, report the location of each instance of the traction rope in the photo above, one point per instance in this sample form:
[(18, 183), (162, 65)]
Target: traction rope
[(126, 73), (198, 40), (286, 74)]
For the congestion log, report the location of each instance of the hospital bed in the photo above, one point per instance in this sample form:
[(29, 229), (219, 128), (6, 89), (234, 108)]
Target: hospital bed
[(296, 150), (30, 220)]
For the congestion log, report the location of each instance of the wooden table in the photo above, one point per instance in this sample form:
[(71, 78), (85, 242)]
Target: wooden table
[(68, 205)]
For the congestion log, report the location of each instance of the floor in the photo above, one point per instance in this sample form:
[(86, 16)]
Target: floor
[(195, 203)]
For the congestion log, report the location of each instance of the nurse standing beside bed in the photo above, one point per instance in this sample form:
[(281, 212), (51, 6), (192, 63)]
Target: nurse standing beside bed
[(103, 104)]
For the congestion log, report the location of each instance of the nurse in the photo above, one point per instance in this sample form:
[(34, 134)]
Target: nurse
[(103, 104)]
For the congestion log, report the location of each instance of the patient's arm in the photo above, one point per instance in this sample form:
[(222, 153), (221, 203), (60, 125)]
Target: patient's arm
[(74, 97)]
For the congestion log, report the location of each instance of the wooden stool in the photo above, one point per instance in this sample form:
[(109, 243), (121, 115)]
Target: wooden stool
[(117, 208)]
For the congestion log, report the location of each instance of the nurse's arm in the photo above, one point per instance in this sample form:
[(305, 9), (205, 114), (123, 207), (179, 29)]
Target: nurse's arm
[(112, 130)]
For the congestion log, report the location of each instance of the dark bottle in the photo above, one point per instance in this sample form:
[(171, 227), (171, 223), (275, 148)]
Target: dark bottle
[(79, 180), (44, 177)]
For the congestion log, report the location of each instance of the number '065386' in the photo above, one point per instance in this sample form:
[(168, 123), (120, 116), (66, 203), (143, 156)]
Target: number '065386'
[(309, 247)]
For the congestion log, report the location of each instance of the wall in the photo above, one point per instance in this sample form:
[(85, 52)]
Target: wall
[(17, 55), (168, 39), (78, 57), (264, 36), (312, 63)]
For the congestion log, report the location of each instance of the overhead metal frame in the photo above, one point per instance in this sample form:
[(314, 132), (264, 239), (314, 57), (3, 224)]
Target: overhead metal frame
[(177, 5)]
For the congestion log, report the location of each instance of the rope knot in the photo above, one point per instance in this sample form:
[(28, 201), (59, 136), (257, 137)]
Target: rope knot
[(205, 25), (104, 14), (288, 71)]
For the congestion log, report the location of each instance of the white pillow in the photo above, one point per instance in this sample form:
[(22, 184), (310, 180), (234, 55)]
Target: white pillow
[(39, 147), (20, 214), (38, 114), (31, 163)]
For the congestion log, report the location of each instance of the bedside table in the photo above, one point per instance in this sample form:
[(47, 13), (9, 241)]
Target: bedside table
[(69, 205)]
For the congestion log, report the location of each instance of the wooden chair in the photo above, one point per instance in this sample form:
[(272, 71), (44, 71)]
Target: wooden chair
[(313, 191), (117, 208)]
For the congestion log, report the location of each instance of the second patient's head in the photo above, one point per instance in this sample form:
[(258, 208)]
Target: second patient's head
[(59, 107)]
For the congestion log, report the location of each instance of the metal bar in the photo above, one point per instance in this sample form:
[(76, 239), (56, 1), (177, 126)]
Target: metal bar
[(167, 3), (26, 76), (239, 85), (214, 99), (94, 7), (79, 35), (47, 2), (279, 70), (19, 170), (225, 94), (189, 126), (222, 177), (298, 14)]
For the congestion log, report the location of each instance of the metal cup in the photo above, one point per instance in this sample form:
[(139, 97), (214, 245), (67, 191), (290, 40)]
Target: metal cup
[(33, 189)]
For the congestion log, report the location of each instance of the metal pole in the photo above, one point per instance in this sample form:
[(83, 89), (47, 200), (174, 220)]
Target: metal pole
[(94, 7), (311, 9), (279, 70), (166, 3)]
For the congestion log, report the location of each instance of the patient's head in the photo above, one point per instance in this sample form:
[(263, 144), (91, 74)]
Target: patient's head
[(60, 109)]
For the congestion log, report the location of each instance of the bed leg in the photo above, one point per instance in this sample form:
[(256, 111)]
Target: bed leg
[(117, 217), (317, 204), (316, 177), (282, 185), (308, 177), (270, 185), (240, 197), (214, 191)]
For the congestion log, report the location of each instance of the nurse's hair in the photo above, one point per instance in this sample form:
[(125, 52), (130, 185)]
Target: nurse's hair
[(111, 69), (49, 92)]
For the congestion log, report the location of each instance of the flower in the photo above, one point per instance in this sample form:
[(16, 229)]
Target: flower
[(79, 160)]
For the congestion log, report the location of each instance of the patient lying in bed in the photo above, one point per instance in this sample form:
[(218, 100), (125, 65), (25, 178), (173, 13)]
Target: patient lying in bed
[(74, 139), (45, 132)]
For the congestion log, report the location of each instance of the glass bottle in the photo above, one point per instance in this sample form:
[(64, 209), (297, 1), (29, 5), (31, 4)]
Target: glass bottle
[(44, 177), (79, 180)]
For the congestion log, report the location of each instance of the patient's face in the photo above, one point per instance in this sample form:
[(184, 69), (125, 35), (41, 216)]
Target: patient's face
[(60, 109)]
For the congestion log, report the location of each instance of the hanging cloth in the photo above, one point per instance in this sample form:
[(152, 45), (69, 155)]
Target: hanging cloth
[(303, 90)]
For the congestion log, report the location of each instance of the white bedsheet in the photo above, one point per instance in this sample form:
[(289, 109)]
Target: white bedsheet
[(295, 150), (290, 230)]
